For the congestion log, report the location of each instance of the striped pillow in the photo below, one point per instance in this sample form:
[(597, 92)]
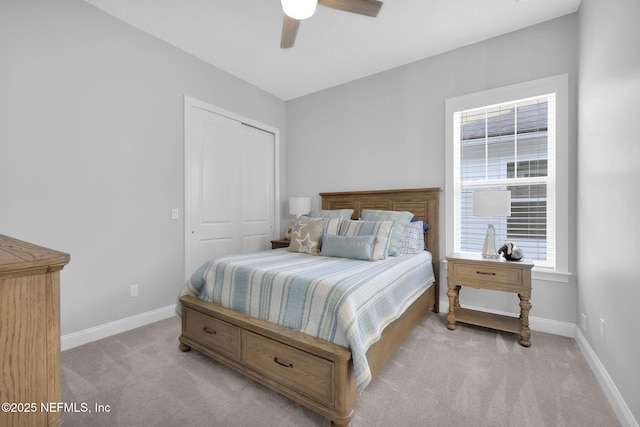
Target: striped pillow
[(400, 221), (332, 226), (380, 229)]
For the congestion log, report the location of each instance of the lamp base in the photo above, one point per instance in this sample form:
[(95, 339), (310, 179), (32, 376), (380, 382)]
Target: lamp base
[(491, 256), (490, 246)]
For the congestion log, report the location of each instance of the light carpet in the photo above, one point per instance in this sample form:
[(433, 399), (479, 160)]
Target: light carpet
[(468, 377)]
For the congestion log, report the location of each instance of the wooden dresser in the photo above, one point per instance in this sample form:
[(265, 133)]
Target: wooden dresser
[(29, 333)]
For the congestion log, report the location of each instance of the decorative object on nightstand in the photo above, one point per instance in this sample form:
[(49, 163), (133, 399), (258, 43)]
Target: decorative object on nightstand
[(511, 252), (494, 274), (491, 203), (298, 206)]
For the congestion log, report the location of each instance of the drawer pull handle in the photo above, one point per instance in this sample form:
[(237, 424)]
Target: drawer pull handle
[(485, 273), (286, 365), (209, 331)]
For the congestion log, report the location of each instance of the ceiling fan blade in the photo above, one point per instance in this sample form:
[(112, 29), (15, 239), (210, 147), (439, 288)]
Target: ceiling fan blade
[(289, 32), (361, 7)]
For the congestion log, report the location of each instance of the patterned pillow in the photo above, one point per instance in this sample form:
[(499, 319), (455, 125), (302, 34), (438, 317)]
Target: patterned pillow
[(413, 240), (354, 247), (400, 222), (380, 229), (306, 236)]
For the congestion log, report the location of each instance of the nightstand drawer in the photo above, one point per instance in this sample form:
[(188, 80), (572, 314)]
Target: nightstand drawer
[(480, 275)]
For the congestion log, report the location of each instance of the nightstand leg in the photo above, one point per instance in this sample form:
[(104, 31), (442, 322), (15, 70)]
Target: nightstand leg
[(454, 303), (525, 332)]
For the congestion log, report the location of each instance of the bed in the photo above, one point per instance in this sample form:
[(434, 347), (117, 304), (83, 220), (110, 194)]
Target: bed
[(325, 376)]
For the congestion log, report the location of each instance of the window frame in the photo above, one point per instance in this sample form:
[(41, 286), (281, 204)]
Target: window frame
[(555, 84)]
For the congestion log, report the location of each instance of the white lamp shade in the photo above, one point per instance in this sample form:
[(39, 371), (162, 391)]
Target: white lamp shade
[(492, 203), (299, 205), (299, 9)]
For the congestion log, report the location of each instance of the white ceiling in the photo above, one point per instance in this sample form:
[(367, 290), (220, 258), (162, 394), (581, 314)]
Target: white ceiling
[(242, 37)]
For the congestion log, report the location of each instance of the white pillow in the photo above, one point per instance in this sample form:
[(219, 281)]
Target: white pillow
[(413, 239)]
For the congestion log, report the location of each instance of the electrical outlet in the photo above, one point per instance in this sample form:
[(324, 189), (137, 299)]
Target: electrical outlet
[(133, 291), (583, 322), (602, 330)]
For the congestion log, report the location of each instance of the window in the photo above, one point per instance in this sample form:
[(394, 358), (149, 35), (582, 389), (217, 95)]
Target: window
[(528, 218), (506, 139), (507, 146)]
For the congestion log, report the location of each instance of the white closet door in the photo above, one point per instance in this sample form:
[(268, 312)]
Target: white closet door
[(231, 183), (258, 204)]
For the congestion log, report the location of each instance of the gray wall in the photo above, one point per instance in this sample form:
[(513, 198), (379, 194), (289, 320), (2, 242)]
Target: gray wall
[(91, 150), (608, 195), (387, 131)]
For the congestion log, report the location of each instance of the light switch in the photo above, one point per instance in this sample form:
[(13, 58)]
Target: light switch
[(175, 213)]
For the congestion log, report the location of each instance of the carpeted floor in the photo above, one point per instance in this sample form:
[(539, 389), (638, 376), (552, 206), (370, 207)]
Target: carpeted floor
[(467, 377)]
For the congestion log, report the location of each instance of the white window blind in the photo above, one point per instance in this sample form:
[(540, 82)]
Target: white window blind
[(507, 146)]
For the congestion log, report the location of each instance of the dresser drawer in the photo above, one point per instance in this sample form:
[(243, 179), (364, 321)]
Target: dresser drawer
[(291, 367), (488, 275), (213, 333)]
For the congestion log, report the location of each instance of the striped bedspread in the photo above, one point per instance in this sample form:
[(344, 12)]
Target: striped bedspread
[(345, 301)]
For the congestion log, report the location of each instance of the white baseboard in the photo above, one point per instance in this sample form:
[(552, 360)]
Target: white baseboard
[(571, 330), (608, 386), (86, 336)]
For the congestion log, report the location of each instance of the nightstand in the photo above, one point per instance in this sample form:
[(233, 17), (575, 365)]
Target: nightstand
[(279, 243), (494, 274)]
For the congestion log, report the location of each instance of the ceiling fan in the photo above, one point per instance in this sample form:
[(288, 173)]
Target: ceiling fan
[(298, 10)]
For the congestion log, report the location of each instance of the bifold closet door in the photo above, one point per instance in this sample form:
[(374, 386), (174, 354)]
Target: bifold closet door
[(232, 181)]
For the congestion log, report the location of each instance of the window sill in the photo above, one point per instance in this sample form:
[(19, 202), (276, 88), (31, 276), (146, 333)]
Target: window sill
[(549, 275)]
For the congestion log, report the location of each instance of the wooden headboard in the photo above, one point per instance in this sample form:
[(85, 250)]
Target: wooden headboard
[(424, 203)]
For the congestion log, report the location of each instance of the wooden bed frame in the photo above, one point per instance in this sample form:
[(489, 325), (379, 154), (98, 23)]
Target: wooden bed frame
[(315, 373)]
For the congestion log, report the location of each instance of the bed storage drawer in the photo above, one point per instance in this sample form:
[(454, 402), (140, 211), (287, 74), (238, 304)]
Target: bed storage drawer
[(213, 333), (291, 367)]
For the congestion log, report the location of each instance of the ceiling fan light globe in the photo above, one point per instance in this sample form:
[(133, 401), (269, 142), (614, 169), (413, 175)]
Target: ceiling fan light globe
[(299, 9)]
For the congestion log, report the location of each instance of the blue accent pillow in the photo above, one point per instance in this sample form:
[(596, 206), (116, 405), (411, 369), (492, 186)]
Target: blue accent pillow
[(380, 229), (354, 247)]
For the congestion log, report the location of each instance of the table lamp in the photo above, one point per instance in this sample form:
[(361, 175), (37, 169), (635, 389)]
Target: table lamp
[(491, 203), (299, 206)]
